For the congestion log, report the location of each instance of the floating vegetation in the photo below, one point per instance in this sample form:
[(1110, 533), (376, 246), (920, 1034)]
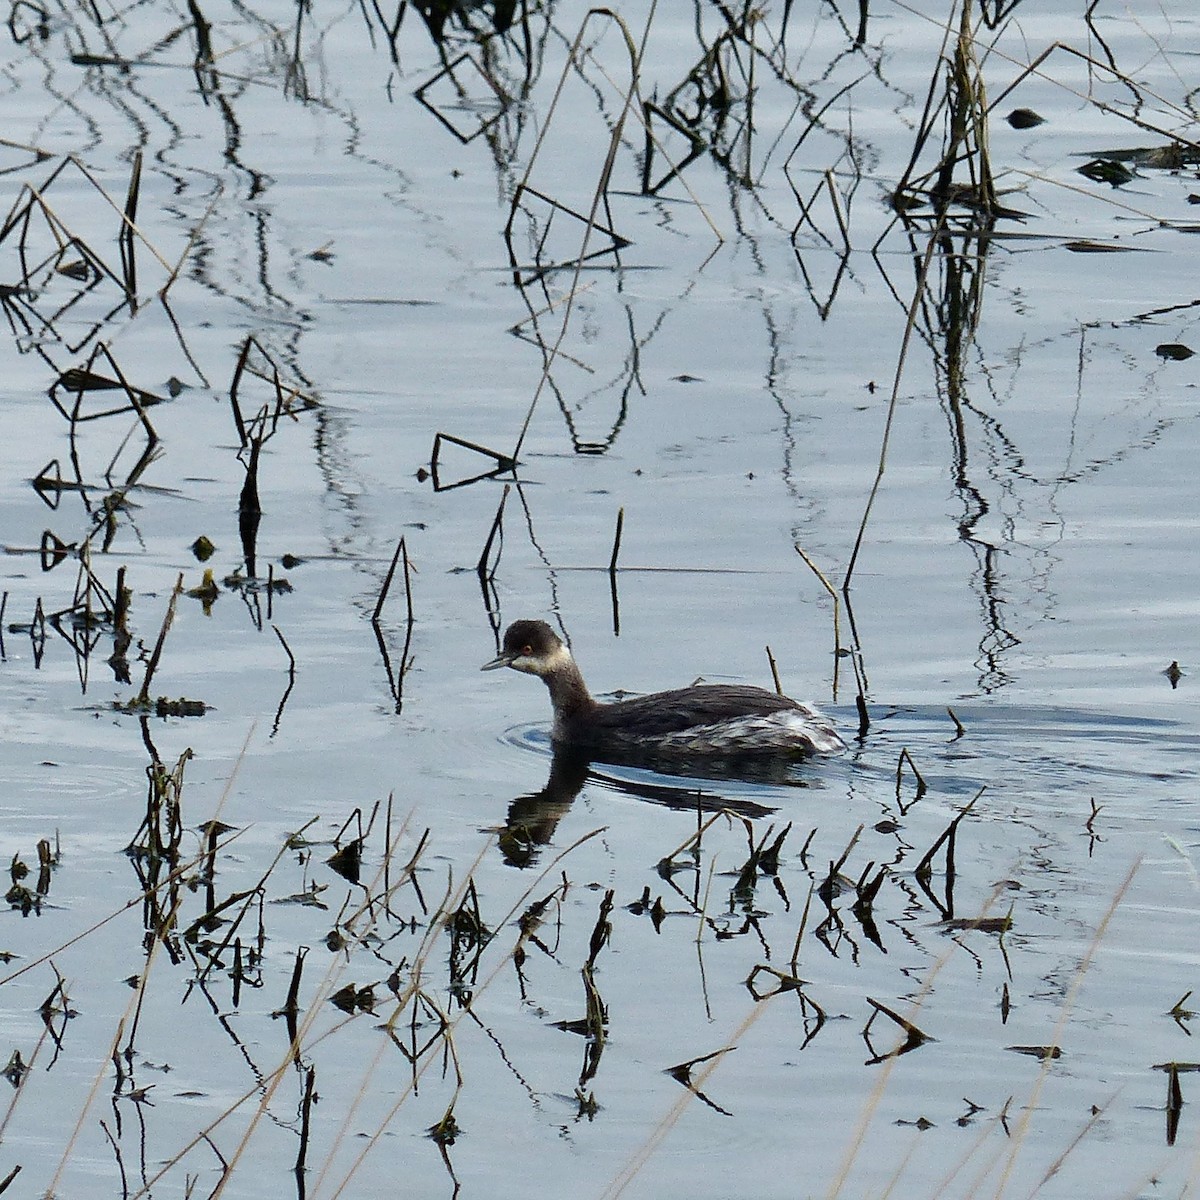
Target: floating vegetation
[(1107, 170)]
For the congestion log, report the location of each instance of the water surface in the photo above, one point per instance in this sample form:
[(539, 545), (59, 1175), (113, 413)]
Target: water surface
[(724, 379)]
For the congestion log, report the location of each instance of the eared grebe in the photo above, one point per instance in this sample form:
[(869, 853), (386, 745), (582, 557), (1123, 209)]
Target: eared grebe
[(711, 719)]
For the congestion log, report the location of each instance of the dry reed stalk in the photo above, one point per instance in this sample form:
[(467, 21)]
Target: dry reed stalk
[(135, 1002), (903, 758), (893, 401), (837, 631), (266, 1088), (371, 1140), (143, 696)]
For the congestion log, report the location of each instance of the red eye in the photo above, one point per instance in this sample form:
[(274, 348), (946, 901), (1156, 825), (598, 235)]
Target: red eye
[(526, 649)]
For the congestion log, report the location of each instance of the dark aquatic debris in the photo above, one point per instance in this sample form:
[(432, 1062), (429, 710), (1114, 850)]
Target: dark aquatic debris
[(1024, 118), (914, 1036), (1106, 170), (1042, 1052), (1088, 246)]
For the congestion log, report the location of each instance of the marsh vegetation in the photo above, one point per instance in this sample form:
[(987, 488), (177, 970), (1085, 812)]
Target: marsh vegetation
[(840, 348)]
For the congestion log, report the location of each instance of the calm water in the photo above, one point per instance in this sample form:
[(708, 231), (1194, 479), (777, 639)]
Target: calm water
[(724, 378)]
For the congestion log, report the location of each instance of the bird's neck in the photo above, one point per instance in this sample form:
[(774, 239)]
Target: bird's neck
[(569, 695)]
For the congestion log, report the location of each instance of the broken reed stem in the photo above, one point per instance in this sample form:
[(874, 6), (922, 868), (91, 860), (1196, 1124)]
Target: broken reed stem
[(774, 671), (616, 550), (794, 961), (693, 839), (132, 194), (503, 462), (612, 573), (923, 867), (602, 932), (909, 326), (193, 238), (306, 1103), (239, 367), (676, 175), (143, 697), (914, 1032), (841, 862), (839, 214), (401, 555), (387, 581), (905, 757), (702, 912), (122, 213), (837, 611), (125, 239)]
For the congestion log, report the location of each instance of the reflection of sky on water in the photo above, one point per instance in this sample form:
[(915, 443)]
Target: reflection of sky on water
[(1029, 562)]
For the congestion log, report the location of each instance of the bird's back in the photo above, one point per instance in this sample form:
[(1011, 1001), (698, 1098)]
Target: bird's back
[(730, 720), (686, 708)]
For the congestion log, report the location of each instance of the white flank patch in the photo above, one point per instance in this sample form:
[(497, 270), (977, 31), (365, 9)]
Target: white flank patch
[(789, 731)]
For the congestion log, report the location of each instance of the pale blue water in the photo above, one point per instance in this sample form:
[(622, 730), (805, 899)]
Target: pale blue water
[(1029, 563)]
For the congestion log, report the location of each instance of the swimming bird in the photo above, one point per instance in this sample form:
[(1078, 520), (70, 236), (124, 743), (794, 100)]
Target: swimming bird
[(716, 720)]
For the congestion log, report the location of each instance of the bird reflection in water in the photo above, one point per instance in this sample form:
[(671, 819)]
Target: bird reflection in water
[(533, 819)]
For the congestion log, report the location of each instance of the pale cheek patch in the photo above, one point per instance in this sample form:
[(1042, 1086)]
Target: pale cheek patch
[(561, 657)]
